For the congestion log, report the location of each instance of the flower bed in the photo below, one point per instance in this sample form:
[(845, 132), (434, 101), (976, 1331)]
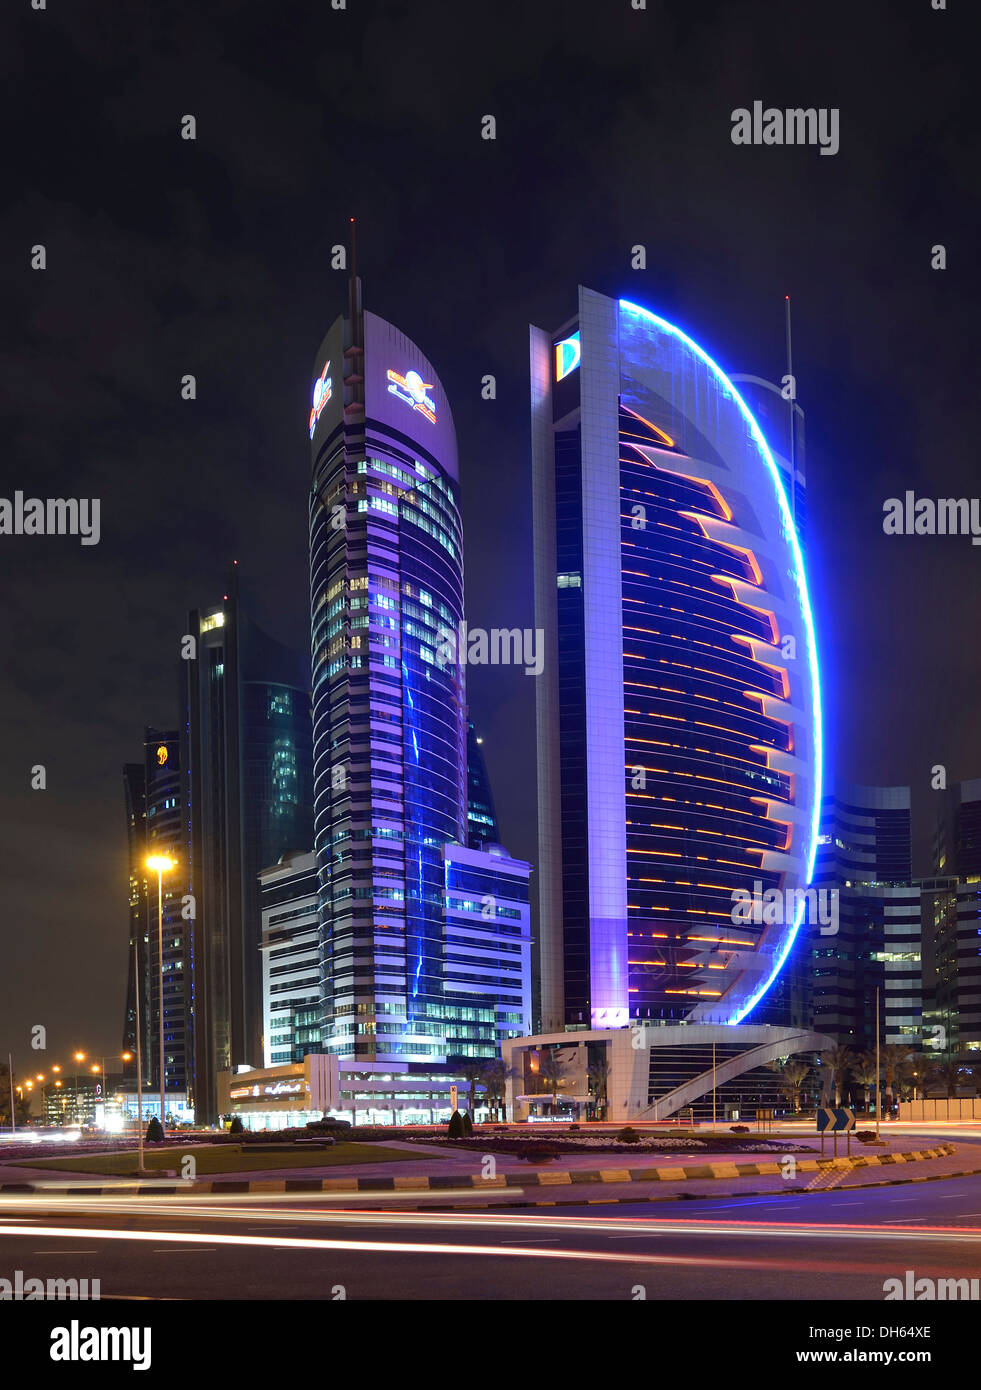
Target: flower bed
[(559, 1144)]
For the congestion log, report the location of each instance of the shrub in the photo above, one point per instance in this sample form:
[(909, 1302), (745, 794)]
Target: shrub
[(456, 1130), (739, 1129), (325, 1127), (865, 1135), (236, 1126), (573, 1129), (539, 1153), (154, 1131), (467, 1124), (628, 1135)]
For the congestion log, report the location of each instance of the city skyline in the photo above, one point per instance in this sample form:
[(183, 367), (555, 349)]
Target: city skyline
[(881, 418)]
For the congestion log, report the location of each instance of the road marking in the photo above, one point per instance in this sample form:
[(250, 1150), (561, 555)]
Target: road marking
[(189, 1250), (65, 1252), (533, 1240)]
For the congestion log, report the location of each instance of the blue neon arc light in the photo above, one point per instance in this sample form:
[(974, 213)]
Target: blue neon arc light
[(805, 608)]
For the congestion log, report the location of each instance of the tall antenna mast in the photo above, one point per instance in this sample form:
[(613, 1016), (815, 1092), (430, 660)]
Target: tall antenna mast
[(793, 412), (354, 352)]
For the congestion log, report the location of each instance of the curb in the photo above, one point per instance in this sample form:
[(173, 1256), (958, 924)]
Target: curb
[(560, 1178)]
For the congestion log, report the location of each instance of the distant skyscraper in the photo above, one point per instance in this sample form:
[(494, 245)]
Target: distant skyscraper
[(957, 836), (156, 825), (679, 738), (481, 816), (248, 784), (290, 959), (864, 855), (134, 787), (400, 986), (952, 925)]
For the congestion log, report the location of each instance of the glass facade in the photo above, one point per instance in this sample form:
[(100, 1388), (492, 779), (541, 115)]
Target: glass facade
[(291, 969), (155, 814), (249, 793), (386, 575), (864, 856), (670, 577), (481, 816)]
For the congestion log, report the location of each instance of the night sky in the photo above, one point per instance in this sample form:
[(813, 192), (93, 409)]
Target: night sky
[(212, 257)]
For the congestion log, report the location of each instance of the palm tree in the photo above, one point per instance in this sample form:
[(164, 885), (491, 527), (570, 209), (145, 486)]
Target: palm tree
[(793, 1074), (839, 1061), (896, 1061), (599, 1076), (946, 1074), (495, 1075), (865, 1074), (550, 1071), (473, 1074)]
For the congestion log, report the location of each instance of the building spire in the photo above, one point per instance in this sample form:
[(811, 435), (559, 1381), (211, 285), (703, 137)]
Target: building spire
[(354, 351), (793, 415)]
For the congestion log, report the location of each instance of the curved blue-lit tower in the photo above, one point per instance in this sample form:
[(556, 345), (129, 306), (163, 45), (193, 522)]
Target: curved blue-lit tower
[(679, 725), (389, 726)]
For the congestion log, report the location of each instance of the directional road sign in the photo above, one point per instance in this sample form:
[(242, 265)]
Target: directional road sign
[(835, 1121)]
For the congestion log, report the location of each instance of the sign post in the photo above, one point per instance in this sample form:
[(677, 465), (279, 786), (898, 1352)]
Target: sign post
[(839, 1120)]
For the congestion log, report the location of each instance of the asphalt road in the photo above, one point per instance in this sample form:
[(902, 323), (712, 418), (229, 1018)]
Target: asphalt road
[(823, 1246)]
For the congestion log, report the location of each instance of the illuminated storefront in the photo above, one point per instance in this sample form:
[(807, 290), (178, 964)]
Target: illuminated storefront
[(281, 1097)]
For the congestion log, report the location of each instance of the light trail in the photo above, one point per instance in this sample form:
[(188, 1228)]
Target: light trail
[(386, 1247), (176, 1210)]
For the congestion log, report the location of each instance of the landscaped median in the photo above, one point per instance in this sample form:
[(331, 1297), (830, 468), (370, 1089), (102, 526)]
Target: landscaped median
[(445, 1184), (215, 1158)]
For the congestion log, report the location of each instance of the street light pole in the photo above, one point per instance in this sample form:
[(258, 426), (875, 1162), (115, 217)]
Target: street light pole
[(10, 1074), (158, 863), (878, 1078), (160, 962), (139, 1058)]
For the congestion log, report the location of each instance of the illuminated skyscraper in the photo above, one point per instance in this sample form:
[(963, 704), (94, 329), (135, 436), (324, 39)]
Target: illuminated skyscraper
[(481, 816), (414, 969), (865, 857), (248, 794), (155, 819), (679, 735)]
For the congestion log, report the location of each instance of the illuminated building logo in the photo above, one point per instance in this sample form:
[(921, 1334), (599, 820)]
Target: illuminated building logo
[(321, 395), (567, 355), (162, 754), (412, 389)]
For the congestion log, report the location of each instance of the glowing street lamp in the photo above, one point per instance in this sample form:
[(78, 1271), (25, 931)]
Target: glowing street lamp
[(160, 864)]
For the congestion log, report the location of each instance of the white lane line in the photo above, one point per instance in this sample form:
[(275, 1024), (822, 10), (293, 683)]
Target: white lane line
[(533, 1240), (64, 1252), (189, 1250)]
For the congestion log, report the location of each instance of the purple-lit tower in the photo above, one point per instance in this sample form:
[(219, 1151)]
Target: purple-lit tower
[(424, 944), (679, 729)]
